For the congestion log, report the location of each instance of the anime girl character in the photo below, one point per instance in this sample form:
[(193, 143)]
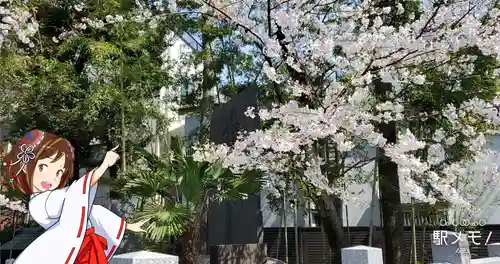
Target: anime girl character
[(77, 232)]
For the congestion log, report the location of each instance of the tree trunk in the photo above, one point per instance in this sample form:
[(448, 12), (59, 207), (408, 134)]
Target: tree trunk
[(200, 236), (199, 243), (331, 222), (208, 83), (14, 225), (390, 200), (123, 135), (188, 249), (194, 240)]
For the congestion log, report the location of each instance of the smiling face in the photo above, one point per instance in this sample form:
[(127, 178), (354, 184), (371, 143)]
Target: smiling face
[(49, 163), (48, 172)]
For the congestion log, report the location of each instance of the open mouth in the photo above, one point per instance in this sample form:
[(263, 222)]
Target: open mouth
[(46, 185)]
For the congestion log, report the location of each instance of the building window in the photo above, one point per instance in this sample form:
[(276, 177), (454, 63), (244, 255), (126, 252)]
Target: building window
[(184, 88), (315, 219)]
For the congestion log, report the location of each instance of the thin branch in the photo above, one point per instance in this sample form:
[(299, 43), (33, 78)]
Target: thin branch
[(358, 164)]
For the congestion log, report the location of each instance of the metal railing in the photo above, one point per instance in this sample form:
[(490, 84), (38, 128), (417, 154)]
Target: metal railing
[(425, 214)]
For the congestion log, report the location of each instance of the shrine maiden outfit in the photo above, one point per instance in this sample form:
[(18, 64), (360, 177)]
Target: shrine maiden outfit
[(76, 230)]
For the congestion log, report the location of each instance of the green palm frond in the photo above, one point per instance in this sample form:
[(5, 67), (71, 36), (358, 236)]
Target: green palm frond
[(149, 184), (191, 182), (190, 178), (215, 171), (235, 187), (178, 148), (114, 183), (152, 160), (164, 222), (253, 181), (117, 186)]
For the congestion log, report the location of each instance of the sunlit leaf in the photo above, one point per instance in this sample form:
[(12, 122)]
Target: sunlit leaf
[(164, 222)]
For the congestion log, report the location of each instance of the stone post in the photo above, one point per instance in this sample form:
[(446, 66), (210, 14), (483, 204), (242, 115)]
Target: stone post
[(362, 255), (144, 257), (494, 250), (450, 247)]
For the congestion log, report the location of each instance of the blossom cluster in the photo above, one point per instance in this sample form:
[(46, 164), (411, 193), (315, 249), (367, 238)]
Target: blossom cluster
[(139, 14), (12, 205), (16, 24), (345, 112)]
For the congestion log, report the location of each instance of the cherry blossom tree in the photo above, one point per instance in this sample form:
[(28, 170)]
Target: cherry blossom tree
[(328, 61)]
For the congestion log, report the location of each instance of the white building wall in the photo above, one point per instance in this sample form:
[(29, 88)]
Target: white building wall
[(491, 213), (177, 126), (359, 210), (359, 214)]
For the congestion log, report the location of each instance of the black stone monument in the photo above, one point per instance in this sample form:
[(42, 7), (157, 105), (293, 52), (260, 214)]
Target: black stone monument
[(235, 222)]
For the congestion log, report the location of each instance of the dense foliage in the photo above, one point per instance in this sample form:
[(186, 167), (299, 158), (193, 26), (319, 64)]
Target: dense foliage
[(76, 78)]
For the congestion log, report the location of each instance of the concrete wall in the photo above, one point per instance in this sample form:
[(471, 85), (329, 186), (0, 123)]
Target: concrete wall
[(234, 222), (359, 210), (359, 213)]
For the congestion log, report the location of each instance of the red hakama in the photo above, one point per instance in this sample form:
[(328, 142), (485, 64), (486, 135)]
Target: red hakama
[(93, 249)]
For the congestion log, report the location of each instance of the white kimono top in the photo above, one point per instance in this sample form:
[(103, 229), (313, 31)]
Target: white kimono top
[(66, 214)]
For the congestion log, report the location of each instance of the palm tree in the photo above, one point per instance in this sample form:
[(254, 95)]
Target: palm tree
[(176, 194)]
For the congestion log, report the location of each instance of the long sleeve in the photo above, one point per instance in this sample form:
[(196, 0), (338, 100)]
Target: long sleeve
[(92, 193), (45, 208), (62, 241), (54, 203), (109, 226)]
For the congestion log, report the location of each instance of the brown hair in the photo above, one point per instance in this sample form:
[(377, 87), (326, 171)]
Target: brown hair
[(19, 176)]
